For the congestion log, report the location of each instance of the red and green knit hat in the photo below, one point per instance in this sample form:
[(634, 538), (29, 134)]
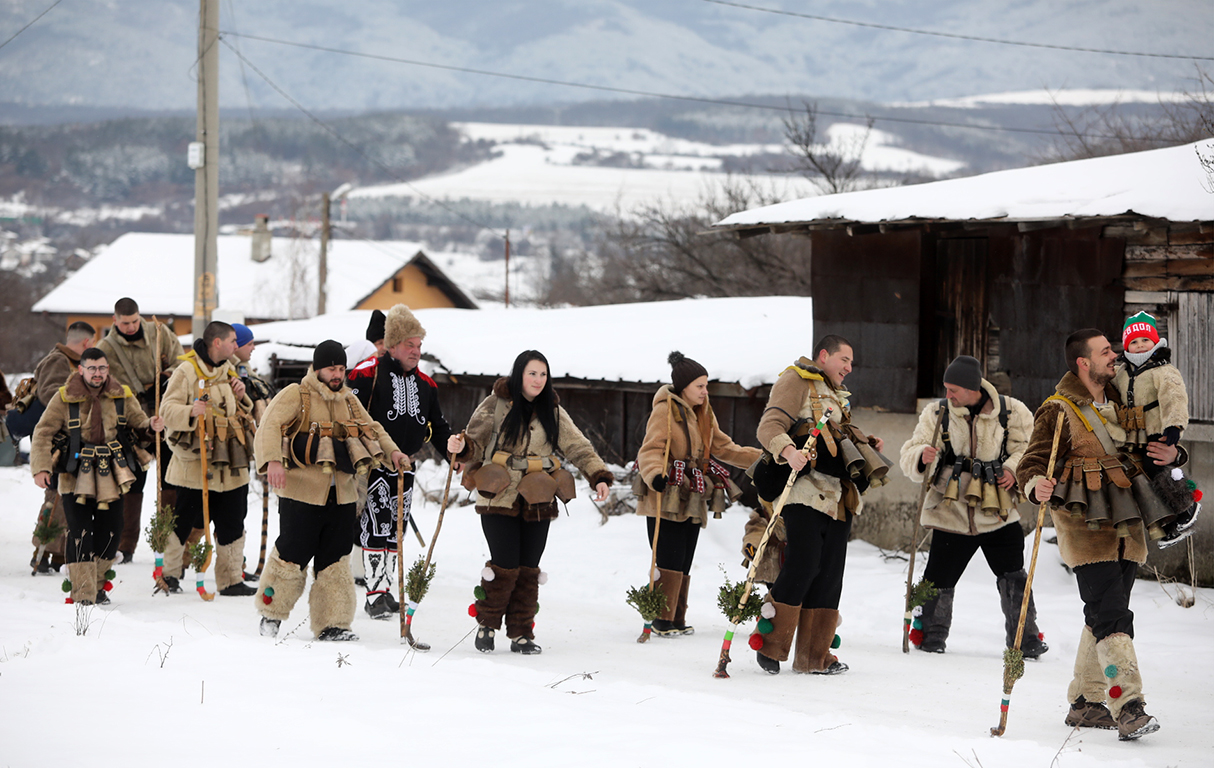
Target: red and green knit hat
[(1139, 325)]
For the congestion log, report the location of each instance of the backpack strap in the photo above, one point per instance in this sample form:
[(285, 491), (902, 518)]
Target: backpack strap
[(75, 441)]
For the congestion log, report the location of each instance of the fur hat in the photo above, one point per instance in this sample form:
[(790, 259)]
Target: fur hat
[(683, 371), (401, 324)]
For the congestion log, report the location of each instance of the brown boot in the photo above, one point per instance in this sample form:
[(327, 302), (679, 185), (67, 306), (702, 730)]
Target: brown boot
[(777, 642), (1089, 714), (132, 508), (680, 613), (496, 584), (1134, 722), (670, 583), (815, 634), (523, 605), (1086, 691)]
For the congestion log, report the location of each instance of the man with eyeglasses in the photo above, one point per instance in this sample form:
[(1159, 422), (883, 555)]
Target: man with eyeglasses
[(88, 441)]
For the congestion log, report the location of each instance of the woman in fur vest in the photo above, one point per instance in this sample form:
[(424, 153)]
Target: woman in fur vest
[(513, 447), (683, 479)]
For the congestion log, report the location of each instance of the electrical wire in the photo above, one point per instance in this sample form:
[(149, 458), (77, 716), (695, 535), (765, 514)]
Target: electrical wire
[(337, 135), (956, 36), (31, 23), (657, 94)]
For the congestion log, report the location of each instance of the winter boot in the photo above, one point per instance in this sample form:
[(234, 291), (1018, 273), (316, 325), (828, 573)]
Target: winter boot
[(83, 578), (269, 627), (1011, 598), (379, 565), (338, 634), (132, 508), (815, 636), (1119, 664), (1087, 686), (280, 588), (937, 620), (777, 642), (105, 576), (333, 601), (680, 613), (229, 570), (670, 583), (525, 646), (524, 603), (496, 585), (1088, 714), (484, 639)]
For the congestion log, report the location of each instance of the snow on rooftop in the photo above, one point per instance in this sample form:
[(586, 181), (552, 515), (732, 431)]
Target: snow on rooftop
[(733, 338), (1163, 183)]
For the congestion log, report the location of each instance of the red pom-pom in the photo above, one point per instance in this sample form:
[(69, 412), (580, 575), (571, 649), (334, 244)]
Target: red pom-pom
[(916, 636), (1040, 635), (67, 601), (756, 642), (472, 610), (108, 586), (1115, 692), (266, 599), (1197, 495)]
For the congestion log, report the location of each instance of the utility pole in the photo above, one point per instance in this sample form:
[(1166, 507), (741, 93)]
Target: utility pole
[(206, 170), (323, 277)]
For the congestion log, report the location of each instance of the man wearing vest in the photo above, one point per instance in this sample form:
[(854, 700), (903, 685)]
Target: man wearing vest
[(818, 514), (972, 498), (405, 401), (1092, 480), (87, 436), (205, 392), (142, 355), (316, 497)]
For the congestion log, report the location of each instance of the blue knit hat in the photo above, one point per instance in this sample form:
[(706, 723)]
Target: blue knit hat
[(243, 334)]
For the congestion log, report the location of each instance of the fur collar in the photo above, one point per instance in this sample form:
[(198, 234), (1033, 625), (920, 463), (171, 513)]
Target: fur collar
[(68, 352), (76, 391), (1072, 389), (314, 384)]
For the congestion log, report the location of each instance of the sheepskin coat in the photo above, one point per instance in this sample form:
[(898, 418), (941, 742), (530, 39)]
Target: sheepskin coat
[(138, 364), (772, 560), (185, 468), (956, 516), (684, 426), (54, 420), (1077, 544), (572, 445), (792, 397), (1162, 384), (311, 484), (53, 371)]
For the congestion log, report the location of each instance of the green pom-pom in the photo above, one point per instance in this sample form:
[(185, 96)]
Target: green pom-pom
[(917, 624), (1190, 484), (537, 607), (479, 593), (765, 626), (1110, 671), (836, 642), (66, 586), (110, 574), (269, 592)]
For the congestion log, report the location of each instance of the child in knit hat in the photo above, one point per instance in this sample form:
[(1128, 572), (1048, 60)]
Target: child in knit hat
[(1156, 408)]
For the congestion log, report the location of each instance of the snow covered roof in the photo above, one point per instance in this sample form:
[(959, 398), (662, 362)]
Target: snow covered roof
[(736, 339), (157, 270), (1162, 183)]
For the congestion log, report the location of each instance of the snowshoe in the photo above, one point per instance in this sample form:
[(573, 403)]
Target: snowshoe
[(378, 608), (836, 668), (525, 646), (239, 589), (336, 634), (768, 665), (1134, 722), (484, 639), (269, 627)]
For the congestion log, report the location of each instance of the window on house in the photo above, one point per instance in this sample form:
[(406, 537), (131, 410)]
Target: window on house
[(398, 284)]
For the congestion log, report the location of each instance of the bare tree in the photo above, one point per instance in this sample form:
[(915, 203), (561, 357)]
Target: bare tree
[(832, 167)]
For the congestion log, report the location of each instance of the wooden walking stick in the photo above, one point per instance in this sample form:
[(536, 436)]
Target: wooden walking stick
[(426, 573), (657, 531), (206, 496), (265, 524), (810, 453), (156, 394), (910, 569), (1013, 659), (406, 610)]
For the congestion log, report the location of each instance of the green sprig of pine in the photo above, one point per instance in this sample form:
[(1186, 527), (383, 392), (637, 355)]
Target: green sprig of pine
[(729, 599), (922, 592), (650, 602), (47, 529), (1013, 667), (417, 580), (159, 528), (200, 551)]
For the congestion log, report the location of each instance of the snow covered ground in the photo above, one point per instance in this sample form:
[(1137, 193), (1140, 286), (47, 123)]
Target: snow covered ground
[(158, 675)]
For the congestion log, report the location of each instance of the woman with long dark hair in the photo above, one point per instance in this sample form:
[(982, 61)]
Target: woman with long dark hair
[(513, 449)]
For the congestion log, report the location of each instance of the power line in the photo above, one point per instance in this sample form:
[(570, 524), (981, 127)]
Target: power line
[(32, 22), (654, 94), (955, 36), (333, 132)]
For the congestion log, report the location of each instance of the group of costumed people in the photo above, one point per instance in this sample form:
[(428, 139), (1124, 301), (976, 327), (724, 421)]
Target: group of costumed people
[(336, 449)]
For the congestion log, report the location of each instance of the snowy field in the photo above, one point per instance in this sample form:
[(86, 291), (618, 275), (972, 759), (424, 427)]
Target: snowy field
[(165, 676)]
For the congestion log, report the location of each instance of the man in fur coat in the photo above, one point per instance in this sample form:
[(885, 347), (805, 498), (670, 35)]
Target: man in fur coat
[(142, 356), (405, 401), (818, 513), (982, 436), (1105, 563), (315, 503)]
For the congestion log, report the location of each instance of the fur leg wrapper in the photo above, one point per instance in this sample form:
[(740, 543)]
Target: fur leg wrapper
[(1119, 664), (174, 553), (489, 612), (84, 581), (280, 587), (229, 564), (784, 624), (333, 600), (1088, 680), (523, 605), (815, 633)]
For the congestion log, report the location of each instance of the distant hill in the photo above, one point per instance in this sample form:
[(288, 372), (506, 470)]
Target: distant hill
[(139, 54)]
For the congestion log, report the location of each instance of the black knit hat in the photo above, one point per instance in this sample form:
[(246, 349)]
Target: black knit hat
[(375, 328), (964, 372), (683, 371), (328, 353)]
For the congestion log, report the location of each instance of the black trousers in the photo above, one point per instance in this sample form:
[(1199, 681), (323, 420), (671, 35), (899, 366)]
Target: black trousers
[(815, 555), (513, 541), (1105, 590), (309, 532), (91, 532), (1003, 549), (676, 543), (227, 510), (162, 467)]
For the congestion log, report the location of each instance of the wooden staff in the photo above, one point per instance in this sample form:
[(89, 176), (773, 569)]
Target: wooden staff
[(910, 570), (809, 452), (206, 495), (265, 524), (156, 386), (406, 613), (657, 522), (1013, 659)]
